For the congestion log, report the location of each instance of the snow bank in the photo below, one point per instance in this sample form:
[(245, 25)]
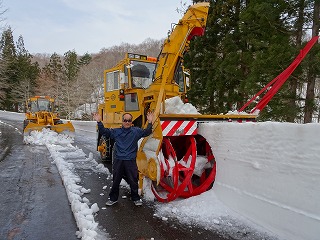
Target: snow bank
[(270, 173), (67, 158)]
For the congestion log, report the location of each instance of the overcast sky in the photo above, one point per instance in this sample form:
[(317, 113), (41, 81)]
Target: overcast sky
[(49, 26)]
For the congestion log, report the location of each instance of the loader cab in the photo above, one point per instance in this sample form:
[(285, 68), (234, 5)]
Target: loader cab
[(38, 104), (44, 105)]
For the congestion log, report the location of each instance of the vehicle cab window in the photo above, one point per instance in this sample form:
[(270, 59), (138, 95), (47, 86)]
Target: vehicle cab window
[(141, 74)]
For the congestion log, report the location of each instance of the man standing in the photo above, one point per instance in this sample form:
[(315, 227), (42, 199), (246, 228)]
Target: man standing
[(126, 146)]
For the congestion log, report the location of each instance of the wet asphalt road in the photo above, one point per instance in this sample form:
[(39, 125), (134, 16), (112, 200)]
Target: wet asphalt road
[(33, 200), (34, 203)]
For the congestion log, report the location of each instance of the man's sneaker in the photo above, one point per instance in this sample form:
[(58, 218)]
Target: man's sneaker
[(138, 202), (110, 202)]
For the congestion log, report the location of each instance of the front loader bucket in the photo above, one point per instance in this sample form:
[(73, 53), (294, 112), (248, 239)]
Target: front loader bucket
[(63, 128), (34, 127)]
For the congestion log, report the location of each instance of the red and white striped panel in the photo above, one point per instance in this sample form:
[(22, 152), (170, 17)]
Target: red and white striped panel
[(178, 128)]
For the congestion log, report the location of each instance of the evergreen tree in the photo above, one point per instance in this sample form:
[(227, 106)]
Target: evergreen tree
[(295, 16), (50, 80), (8, 73), (85, 59), (70, 69), (26, 73), (211, 63), (246, 45), (266, 36), (299, 19), (54, 72), (83, 82)]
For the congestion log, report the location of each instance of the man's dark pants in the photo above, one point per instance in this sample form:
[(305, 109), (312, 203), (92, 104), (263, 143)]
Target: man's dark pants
[(130, 170)]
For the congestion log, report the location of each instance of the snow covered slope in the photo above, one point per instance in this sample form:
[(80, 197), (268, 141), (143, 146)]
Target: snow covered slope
[(270, 173)]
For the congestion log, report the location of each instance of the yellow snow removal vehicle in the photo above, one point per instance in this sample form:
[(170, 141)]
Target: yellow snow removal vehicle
[(40, 114), (175, 157), (177, 160)]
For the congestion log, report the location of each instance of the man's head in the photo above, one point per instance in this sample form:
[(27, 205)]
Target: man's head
[(126, 120)]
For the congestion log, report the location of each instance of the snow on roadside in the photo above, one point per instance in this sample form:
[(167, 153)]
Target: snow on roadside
[(67, 158)]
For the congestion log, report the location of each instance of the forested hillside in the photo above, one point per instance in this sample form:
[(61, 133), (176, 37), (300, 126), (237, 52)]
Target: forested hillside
[(246, 45), (71, 79)]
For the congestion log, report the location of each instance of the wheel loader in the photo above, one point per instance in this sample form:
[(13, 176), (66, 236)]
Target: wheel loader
[(40, 113), (178, 161)]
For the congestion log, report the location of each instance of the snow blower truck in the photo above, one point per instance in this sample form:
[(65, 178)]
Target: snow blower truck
[(178, 161), (40, 114)]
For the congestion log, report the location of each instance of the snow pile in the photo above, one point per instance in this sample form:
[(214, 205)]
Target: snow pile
[(175, 105), (65, 155), (235, 112), (46, 136), (208, 212)]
